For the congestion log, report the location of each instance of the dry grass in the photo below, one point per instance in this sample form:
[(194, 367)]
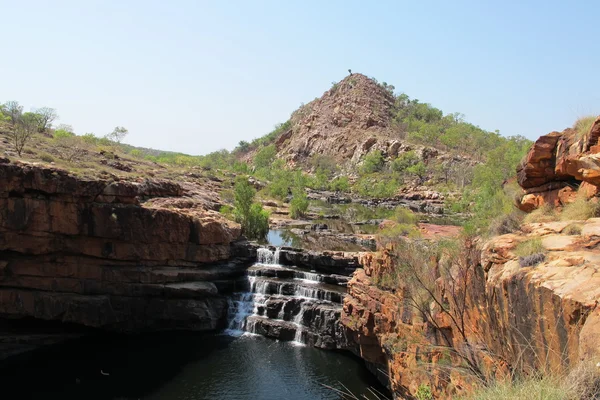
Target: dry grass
[(582, 383), (529, 247), (546, 213), (572, 229), (583, 125), (581, 209)]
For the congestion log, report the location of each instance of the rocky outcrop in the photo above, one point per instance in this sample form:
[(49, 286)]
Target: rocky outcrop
[(113, 254), (557, 166), (521, 314)]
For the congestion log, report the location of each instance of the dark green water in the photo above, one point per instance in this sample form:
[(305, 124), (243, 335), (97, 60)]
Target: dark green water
[(182, 367)]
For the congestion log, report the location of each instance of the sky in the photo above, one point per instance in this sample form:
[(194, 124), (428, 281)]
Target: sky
[(199, 76)]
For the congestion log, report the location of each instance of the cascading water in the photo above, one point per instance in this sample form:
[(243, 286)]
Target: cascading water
[(279, 296)]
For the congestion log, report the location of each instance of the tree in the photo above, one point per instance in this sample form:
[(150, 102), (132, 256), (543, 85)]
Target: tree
[(118, 134), (418, 169), (13, 110), (299, 203), (243, 146), (21, 132), (373, 162), (46, 116), (253, 218), (265, 157)]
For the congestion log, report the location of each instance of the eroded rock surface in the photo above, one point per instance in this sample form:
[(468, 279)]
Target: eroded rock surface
[(559, 165), (120, 255), (542, 316)]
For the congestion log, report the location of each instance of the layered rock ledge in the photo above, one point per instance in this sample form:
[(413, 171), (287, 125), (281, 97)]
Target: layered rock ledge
[(518, 317), (114, 254)]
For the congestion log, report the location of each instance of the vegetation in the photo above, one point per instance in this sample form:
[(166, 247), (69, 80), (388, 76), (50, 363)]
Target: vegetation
[(529, 247), (299, 203), (583, 125), (251, 215)]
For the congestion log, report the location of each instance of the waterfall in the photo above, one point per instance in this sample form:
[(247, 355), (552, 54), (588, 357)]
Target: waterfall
[(278, 300), (267, 257)]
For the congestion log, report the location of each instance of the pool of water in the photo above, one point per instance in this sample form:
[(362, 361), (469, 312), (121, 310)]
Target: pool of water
[(184, 366)]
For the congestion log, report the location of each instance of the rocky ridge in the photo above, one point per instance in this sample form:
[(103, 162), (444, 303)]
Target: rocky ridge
[(558, 166), (120, 255)]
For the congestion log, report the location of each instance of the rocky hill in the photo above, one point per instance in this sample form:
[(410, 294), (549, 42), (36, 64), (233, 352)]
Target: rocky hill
[(348, 121)]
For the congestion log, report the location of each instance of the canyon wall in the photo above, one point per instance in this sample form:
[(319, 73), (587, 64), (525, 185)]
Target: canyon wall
[(114, 254)]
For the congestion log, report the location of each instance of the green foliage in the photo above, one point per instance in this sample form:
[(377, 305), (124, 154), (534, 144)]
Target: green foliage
[(325, 164), (251, 215), (419, 170), (373, 162), (118, 134), (424, 392), (137, 153), (403, 215), (299, 203), (61, 133), (340, 184), (46, 157), (404, 161), (265, 156), (529, 247), (377, 185)]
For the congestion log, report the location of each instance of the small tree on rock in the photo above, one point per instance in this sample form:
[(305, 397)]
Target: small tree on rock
[(45, 117), (22, 130), (253, 218), (118, 134)]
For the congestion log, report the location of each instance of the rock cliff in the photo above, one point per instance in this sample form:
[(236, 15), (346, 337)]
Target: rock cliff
[(121, 255), (517, 317), (559, 165)]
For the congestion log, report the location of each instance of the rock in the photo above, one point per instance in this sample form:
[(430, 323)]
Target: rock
[(556, 164), (318, 227), (548, 310), (86, 252)]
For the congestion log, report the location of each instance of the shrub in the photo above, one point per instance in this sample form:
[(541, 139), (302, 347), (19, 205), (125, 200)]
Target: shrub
[(580, 209), (46, 157), (529, 247), (583, 125), (265, 157), (424, 392), (299, 203), (405, 216), (530, 261), (253, 218), (572, 229), (546, 213), (506, 223), (61, 133), (340, 184), (404, 161), (373, 162)]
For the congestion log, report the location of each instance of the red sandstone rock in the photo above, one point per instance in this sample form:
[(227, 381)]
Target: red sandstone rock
[(85, 251), (559, 157)]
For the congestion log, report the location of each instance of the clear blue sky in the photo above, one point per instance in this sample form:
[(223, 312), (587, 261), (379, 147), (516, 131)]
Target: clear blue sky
[(197, 76)]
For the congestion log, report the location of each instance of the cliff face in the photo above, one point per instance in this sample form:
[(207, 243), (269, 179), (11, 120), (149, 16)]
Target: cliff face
[(543, 317), (120, 255), (558, 165)]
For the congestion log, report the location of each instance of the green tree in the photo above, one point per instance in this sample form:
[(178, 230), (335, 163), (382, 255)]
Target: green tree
[(250, 215), (418, 170), (373, 162), (13, 110), (265, 156), (299, 203), (22, 131), (404, 161), (45, 117)]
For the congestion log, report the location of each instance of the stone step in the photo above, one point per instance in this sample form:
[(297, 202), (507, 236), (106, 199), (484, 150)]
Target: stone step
[(296, 273), (297, 288)]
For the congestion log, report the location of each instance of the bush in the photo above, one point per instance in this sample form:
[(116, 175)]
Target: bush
[(405, 216), (529, 247), (424, 392), (61, 133), (253, 218), (506, 223), (373, 162), (265, 157), (530, 261), (404, 161), (583, 125), (299, 203), (572, 229), (580, 209), (340, 184), (546, 213), (46, 157)]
